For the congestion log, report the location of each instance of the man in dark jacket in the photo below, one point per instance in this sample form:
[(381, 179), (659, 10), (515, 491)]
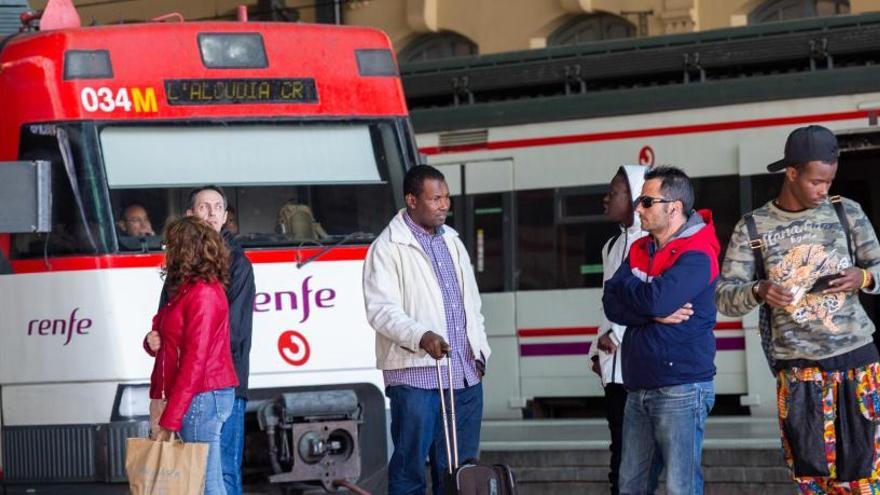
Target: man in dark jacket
[(209, 204), (664, 294)]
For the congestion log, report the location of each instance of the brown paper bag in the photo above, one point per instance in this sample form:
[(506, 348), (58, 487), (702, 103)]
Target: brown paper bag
[(165, 468)]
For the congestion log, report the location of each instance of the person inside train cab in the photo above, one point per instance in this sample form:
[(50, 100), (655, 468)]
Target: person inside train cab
[(605, 354), (135, 221), (803, 259), (664, 295), (422, 300)]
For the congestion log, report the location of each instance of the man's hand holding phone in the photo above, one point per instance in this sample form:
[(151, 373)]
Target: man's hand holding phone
[(849, 280)]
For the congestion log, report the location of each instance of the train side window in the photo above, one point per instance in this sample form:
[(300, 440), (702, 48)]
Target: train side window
[(488, 248), (536, 240), (560, 234), (764, 188), (80, 224), (720, 194), (582, 230), (454, 217)]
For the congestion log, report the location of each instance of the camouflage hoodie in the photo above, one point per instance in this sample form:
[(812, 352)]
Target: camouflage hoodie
[(799, 248)]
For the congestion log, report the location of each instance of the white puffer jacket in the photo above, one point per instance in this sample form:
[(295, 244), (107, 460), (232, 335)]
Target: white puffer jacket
[(403, 299)]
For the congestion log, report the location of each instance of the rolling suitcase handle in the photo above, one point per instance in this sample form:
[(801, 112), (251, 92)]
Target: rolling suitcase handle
[(451, 448)]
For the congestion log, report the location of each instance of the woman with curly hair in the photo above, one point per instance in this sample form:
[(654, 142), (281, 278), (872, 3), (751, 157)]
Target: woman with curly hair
[(193, 374)]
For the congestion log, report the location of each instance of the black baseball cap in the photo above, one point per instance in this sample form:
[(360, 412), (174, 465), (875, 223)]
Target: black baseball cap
[(807, 144)]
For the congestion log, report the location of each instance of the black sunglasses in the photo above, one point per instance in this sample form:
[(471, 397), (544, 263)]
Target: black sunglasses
[(648, 201)]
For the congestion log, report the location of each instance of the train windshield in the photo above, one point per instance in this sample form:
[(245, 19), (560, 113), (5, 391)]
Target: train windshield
[(286, 185), (289, 185)]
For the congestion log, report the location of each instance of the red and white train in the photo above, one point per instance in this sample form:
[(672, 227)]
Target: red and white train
[(530, 140), (95, 119)]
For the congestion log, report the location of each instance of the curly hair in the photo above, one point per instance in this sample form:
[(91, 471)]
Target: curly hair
[(194, 251)]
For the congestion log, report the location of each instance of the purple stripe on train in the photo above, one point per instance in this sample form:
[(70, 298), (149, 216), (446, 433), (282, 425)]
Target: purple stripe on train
[(561, 349), (583, 348)]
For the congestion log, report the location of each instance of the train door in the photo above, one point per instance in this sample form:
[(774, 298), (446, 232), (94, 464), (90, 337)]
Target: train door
[(483, 214), (858, 178)]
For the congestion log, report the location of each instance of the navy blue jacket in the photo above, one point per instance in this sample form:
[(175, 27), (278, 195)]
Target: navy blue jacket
[(656, 283)]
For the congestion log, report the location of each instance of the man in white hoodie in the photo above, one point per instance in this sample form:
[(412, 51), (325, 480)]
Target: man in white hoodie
[(605, 353)]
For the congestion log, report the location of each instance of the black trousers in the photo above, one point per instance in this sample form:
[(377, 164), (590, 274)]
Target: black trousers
[(615, 403)]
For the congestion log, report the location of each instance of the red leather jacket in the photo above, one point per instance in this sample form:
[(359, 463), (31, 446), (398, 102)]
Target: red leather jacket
[(195, 355)]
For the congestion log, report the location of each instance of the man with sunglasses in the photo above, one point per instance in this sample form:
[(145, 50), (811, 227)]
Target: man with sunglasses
[(664, 294), (804, 258)]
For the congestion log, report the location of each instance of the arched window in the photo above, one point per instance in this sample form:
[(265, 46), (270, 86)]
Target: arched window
[(591, 27), (437, 45), (784, 10)]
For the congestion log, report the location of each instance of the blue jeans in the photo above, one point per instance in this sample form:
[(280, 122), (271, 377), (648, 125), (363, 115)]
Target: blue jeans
[(417, 433), (232, 447), (665, 426), (202, 423)]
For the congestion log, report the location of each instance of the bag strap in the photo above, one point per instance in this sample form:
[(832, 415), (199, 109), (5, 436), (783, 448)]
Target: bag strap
[(837, 203), (756, 243), (613, 240)]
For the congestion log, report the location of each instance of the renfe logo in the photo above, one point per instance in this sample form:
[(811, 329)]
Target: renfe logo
[(294, 348), (60, 327), (295, 301)]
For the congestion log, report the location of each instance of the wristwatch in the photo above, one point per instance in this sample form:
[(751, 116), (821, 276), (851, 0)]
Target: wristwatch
[(755, 292)]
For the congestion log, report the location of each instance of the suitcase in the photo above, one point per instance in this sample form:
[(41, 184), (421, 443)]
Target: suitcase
[(470, 478)]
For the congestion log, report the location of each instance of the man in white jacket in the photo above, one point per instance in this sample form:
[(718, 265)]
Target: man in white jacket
[(605, 351), (422, 300)]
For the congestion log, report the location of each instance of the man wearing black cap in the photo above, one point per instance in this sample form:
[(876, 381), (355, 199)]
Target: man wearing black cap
[(803, 258)]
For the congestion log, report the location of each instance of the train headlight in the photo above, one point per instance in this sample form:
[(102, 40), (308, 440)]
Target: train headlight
[(87, 64), (378, 62), (132, 401), (233, 51)]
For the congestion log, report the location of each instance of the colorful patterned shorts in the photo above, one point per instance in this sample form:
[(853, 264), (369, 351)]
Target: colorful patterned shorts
[(829, 423)]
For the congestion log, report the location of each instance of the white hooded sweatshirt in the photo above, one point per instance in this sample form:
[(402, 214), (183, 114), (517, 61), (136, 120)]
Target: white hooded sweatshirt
[(614, 253)]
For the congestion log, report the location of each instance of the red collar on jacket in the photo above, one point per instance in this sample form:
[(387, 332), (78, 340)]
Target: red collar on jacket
[(704, 240)]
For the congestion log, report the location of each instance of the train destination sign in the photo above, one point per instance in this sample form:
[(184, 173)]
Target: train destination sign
[(237, 91)]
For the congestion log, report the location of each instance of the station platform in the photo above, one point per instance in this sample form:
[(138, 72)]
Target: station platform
[(741, 455), (592, 434)]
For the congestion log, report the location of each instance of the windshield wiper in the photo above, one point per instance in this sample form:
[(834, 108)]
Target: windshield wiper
[(354, 236)]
